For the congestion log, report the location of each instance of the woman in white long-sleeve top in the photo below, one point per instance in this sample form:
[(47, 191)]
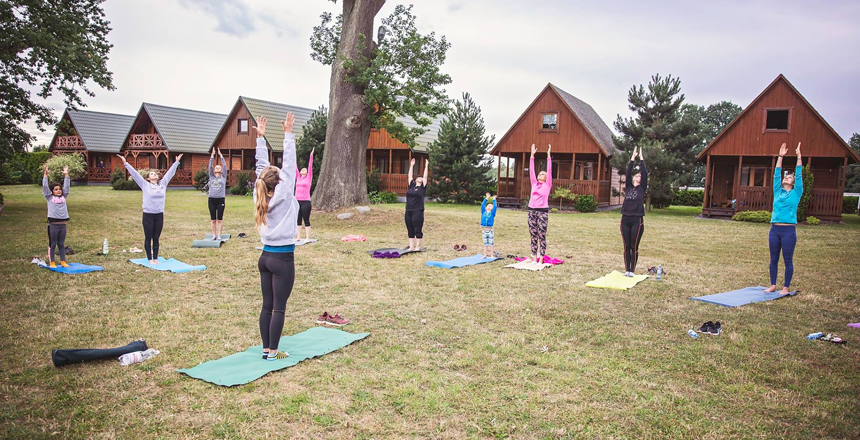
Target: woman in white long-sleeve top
[(58, 215), (154, 189), (275, 212), (217, 194)]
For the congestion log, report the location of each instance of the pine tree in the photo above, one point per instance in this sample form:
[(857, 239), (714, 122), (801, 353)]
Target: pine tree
[(313, 139), (667, 133), (852, 174), (458, 162)]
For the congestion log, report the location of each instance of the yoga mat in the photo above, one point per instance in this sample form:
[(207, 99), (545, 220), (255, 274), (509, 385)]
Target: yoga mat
[(208, 242), (172, 265), (403, 251), (75, 268), (616, 280), (461, 262), (304, 242), (737, 298), (854, 324), (77, 355), (529, 266), (241, 368)]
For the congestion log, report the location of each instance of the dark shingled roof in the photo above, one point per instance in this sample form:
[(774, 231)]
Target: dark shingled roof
[(100, 132), (590, 119), (183, 130)]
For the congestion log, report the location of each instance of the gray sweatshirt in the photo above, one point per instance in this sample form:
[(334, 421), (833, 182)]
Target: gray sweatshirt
[(57, 210), (280, 227), (217, 185), (153, 194)]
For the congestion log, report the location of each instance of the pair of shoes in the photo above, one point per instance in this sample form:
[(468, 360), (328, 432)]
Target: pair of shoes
[(278, 356), (335, 320), (711, 328), (830, 337), (242, 235), (458, 247), (628, 274)]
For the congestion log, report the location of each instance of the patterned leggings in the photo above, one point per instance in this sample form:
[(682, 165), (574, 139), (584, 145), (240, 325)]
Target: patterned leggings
[(538, 222)]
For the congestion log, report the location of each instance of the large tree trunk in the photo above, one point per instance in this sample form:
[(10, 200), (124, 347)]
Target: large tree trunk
[(342, 179)]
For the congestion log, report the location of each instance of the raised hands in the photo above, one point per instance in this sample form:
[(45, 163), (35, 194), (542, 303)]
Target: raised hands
[(178, 158), (121, 157), (534, 150), (66, 171), (312, 150), (798, 152), (548, 150), (784, 149), (46, 170), (412, 163), (288, 123), (212, 156), (635, 152), (261, 127)]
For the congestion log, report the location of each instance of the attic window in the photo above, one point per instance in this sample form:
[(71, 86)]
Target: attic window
[(243, 125), (776, 119), (549, 122)]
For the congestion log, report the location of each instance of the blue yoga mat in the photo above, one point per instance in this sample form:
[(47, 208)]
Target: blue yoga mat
[(75, 268), (172, 265), (461, 262), (241, 368), (737, 298)]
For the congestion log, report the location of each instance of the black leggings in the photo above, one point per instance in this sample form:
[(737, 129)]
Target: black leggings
[(414, 223), (57, 237), (277, 274), (632, 228), (304, 213), (152, 226), (216, 208)]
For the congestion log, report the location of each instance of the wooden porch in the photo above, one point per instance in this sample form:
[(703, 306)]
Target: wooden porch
[(147, 151), (583, 174)]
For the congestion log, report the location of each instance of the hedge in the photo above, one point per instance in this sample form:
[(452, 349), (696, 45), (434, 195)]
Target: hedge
[(849, 204), (689, 197), (752, 216)]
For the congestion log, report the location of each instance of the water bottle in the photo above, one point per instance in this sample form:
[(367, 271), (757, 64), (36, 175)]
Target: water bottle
[(659, 272), (137, 356), (105, 248), (814, 335), (692, 334)]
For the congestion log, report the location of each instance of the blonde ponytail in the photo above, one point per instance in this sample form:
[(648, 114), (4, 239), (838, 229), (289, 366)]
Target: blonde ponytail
[(264, 188)]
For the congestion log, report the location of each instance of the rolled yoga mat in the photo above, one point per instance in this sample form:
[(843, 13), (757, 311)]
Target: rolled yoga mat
[(74, 356), (737, 298), (208, 242)]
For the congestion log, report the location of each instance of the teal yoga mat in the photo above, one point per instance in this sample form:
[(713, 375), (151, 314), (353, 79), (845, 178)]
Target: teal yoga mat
[(249, 365), (172, 265), (208, 242)]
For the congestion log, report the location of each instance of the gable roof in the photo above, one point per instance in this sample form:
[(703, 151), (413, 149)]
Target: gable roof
[(424, 140), (183, 130), (99, 131), (778, 79), (582, 111)]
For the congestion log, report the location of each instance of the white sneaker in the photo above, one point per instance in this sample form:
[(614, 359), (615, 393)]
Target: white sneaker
[(628, 274)]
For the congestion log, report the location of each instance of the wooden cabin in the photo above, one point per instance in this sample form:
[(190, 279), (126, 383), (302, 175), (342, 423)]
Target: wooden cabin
[(740, 161), (97, 136), (392, 157), (581, 147), (160, 133)]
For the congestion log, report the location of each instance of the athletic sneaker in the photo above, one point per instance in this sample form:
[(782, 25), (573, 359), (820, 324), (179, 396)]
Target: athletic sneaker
[(705, 328), (336, 320), (323, 319), (279, 355), (716, 329)]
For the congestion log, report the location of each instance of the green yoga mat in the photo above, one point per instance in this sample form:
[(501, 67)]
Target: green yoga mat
[(208, 242), (249, 365)]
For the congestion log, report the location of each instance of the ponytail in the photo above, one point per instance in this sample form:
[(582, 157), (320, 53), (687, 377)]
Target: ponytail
[(264, 188)]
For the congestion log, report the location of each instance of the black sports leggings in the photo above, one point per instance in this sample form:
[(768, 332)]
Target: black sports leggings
[(414, 223), (216, 208), (57, 237), (632, 228), (304, 213), (277, 274), (152, 226)]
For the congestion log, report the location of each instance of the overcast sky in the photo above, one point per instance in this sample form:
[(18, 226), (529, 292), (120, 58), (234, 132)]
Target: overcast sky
[(203, 54)]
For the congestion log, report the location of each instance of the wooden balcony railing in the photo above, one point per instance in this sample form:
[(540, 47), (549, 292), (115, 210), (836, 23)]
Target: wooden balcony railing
[(182, 177), (507, 187), (69, 143), (825, 203), (755, 198), (396, 183), (96, 174), (145, 141)]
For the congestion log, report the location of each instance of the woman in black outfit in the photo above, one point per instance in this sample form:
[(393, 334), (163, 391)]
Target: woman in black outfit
[(415, 206), (633, 211)]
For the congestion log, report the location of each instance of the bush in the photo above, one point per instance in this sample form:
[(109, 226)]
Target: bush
[(1, 198), (75, 162), (117, 175), (808, 181), (553, 210), (561, 193), (201, 180), (689, 197), (382, 197), (374, 181), (241, 186), (118, 181), (585, 203), (812, 220), (849, 204), (752, 216)]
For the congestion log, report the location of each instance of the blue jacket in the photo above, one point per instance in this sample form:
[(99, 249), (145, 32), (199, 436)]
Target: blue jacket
[(487, 218), (785, 202)]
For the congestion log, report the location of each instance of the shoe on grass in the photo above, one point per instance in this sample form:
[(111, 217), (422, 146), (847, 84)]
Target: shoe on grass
[(705, 327), (336, 320), (323, 319), (715, 329)]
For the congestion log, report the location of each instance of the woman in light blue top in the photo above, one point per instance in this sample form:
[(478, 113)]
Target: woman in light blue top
[(783, 235)]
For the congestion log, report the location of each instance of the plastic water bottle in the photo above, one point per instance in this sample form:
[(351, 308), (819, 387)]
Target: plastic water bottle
[(814, 335), (105, 248), (137, 356), (692, 334), (659, 272)]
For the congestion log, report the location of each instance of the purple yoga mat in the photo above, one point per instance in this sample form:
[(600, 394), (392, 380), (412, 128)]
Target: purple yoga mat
[(855, 325)]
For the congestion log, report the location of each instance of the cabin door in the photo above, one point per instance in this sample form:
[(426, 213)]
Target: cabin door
[(723, 185)]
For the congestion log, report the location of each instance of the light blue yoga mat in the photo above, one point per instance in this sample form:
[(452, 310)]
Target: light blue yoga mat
[(462, 261), (737, 298), (249, 365), (172, 265), (75, 268)]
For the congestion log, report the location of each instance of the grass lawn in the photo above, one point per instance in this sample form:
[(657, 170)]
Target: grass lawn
[(478, 352)]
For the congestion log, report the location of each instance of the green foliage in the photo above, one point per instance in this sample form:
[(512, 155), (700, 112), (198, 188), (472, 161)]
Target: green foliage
[(852, 175), (849, 204), (712, 120), (585, 203), (201, 179), (24, 168), (374, 181), (689, 197), (313, 139), (562, 194), (47, 45), (75, 162), (401, 75), (241, 186), (808, 181), (812, 220), (752, 216), (118, 181), (1, 199), (382, 197), (667, 133), (458, 160)]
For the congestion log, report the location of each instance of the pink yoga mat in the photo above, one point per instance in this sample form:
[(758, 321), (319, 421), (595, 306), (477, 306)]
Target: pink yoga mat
[(855, 325)]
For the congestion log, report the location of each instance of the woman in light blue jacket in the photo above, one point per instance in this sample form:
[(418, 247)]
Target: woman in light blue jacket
[(783, 234)]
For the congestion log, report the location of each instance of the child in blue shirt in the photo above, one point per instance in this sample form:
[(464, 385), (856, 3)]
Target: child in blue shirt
[(488, 215)]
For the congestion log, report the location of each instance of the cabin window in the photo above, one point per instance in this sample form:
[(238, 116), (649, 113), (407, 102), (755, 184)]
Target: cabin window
[(161, 162), (243, 125), (381, 164), (776, 119), (549, 122), (754, 176)]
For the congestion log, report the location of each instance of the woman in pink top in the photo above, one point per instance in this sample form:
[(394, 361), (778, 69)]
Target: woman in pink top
[(539, 205), (303, 195)]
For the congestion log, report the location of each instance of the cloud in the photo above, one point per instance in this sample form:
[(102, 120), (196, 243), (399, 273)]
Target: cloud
[(234, 16)]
